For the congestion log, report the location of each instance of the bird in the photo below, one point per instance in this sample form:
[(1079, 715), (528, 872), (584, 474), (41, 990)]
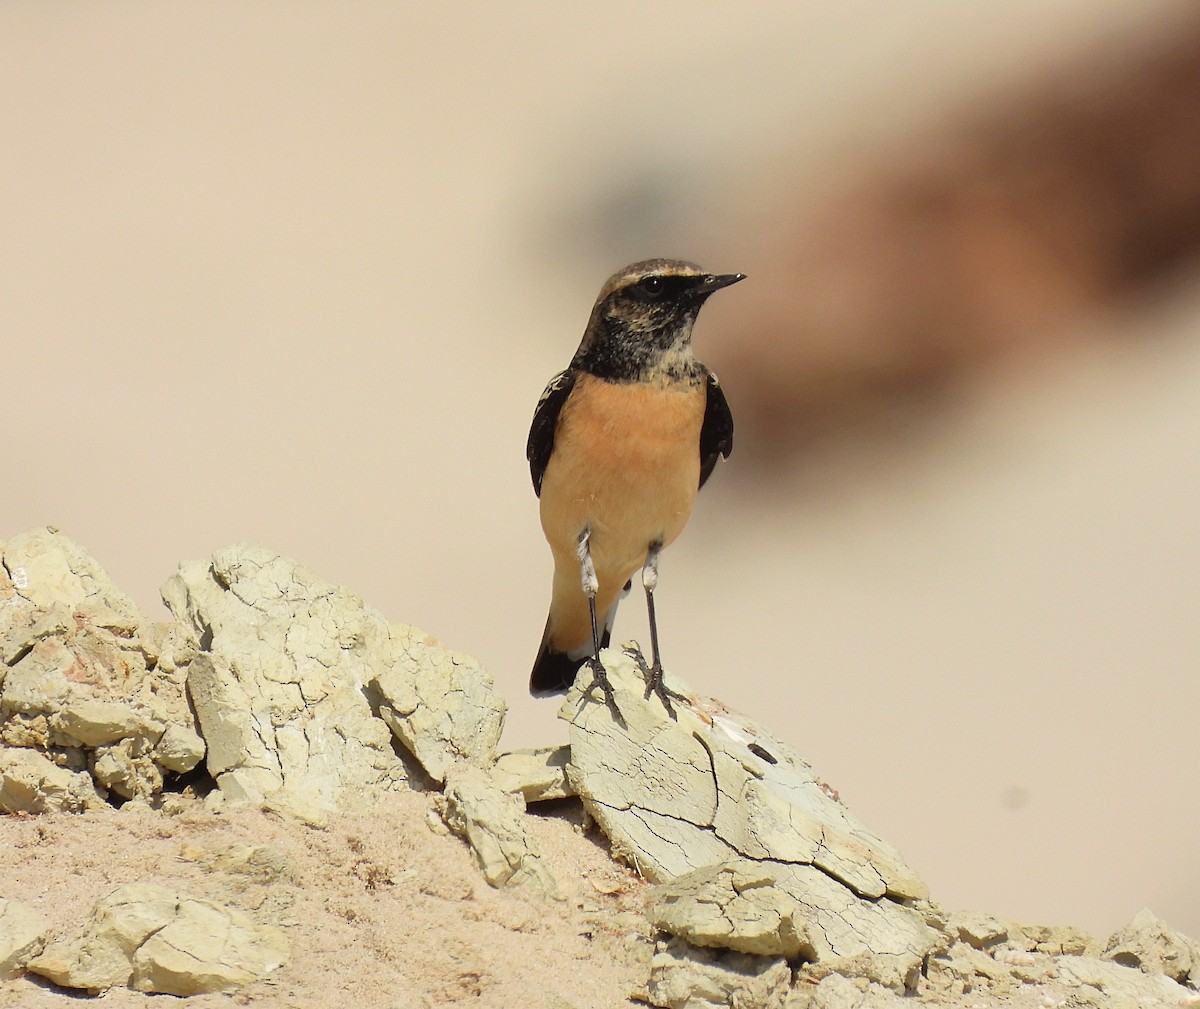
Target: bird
[(621, 442)]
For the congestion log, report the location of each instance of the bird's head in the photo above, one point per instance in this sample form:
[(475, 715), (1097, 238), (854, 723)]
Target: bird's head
[(642, 321)]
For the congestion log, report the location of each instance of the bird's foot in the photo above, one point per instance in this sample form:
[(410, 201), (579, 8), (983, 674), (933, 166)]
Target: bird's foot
[(600, 679), (653, 675)]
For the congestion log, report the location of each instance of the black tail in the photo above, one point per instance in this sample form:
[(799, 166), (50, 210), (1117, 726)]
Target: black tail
[(554, 671)]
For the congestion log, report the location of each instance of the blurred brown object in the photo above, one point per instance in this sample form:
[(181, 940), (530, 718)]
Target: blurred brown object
[(976, 243)]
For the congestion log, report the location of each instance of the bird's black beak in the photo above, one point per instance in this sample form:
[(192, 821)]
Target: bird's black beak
[(715, 281)]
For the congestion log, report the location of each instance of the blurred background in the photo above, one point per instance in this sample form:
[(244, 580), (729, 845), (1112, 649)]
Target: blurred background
[(297, 273)]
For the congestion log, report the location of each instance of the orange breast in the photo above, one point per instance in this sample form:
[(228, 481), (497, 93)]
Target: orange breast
[(626, 464)]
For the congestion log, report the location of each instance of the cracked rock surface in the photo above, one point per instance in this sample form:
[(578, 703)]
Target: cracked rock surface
[(441, 704), (87, 682), (155, 939), (291, 673), (714, 789), (278, 684), (734, 905)]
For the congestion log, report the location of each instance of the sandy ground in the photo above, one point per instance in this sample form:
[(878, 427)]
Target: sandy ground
[(381, 911), (382, 908)]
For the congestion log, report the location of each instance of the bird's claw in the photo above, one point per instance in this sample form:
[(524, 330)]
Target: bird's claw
[(600, 679), (653, 675)]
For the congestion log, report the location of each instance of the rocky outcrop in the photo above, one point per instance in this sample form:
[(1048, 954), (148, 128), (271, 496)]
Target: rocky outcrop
[(299, 685), (441, 704), (1151, 945), (299, 698), (278, 684)]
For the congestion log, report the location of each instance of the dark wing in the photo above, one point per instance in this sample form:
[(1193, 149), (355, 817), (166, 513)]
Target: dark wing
[(545, 420), (716, 434)]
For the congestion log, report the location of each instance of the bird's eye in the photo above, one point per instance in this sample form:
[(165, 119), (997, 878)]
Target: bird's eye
[(652, 286)]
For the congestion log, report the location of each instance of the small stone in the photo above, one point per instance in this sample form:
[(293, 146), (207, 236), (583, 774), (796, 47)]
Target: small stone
[(22, 933), (179, 749), (1053, 940), (1118, 983), (978, 930), (126, 768), (206, 948), (539, 774), (838, 992), (93, 723), (101, 957)]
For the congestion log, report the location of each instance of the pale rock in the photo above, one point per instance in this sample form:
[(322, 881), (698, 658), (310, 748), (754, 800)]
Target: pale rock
[(46, 568), (1054, 940), (173, 645), (22, 933), (975, 929), (898, 971), (538, 774), (493, 824), (207, 947), (156, 940), (179, 749), (102, 956), (675, 796), (27, 732), (441, 704), (1151, 945), (279, 687), (1004, 973), (32, 783), (80, 668), (93, 723), (127, 767), (683, 976), (961, 968), (1114, 984), (735, 905), (838, 992), (41, 681)]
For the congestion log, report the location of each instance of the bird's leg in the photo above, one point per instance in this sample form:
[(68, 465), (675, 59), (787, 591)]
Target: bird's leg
[(654, 672), (591, 585)]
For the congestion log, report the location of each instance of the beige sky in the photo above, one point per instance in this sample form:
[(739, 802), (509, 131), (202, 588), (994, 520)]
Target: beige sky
[(297, 274)]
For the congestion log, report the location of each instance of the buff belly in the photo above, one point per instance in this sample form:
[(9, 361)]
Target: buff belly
[(626, 466)]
